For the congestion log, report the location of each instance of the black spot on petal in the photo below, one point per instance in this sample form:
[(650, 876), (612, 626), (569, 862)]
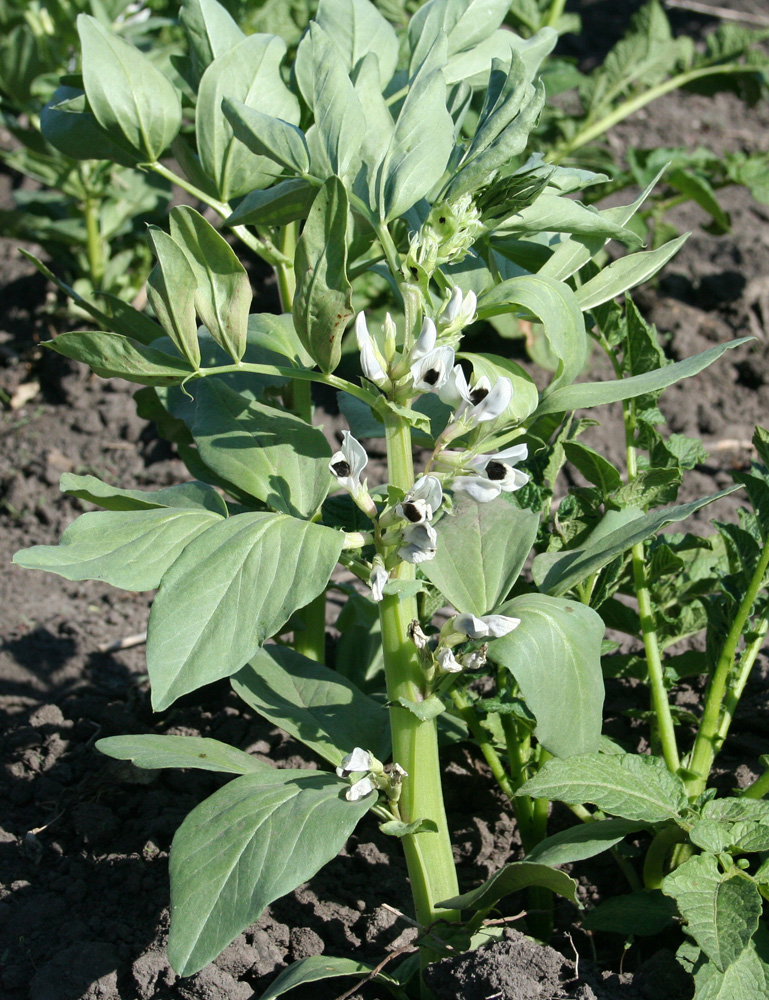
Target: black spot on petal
[(476, 395), (432, 376), (497, 470), (341, 469)]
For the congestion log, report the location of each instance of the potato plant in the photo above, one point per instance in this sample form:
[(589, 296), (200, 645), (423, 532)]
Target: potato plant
[(354, 172)]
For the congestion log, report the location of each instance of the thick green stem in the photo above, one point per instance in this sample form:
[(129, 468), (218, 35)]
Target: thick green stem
[(95, 247), (415, 743), (759, 789), (659, 851), (713, 727), (299, 395), (660, 704)]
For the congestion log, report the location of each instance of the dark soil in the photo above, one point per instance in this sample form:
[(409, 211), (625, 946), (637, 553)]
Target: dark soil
[(84, 840)]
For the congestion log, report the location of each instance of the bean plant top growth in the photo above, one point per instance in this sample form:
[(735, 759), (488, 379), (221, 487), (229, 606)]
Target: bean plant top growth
[(387, 172)]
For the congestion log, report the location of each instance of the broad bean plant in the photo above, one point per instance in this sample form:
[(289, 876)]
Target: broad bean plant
[(392, 168)]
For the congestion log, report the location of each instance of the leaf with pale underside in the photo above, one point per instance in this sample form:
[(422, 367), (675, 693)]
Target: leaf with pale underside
[(512, 878), (155, 751)]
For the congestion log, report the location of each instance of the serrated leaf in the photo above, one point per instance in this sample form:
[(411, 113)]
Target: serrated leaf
[(556, 573), (155, 751), (129, 549), (266, 452), (323, 299), (190, 496), (588, 394), (557, 647), (229, 857), (131, 99), (745, 979), (512, 878), (111, 355), (222, 290), (222, 599), (315, 704), (721, 908), (481, 550), (581, 842), (629, 785)]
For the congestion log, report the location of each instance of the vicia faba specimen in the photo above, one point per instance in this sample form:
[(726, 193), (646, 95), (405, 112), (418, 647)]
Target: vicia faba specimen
[(387, 176)]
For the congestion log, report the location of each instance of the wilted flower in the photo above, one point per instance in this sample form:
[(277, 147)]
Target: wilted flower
[(492, 626), (476, 659), (429, 373), (360, 789), (419, 541), (357, 760), (447, 662), (422, 500), (417, 635)]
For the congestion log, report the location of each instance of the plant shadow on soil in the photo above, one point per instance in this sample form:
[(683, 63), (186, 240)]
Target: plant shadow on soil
[(84, 840)]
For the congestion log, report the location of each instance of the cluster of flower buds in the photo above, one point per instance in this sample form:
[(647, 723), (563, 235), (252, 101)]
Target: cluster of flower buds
[(374, 776), (446, 236)]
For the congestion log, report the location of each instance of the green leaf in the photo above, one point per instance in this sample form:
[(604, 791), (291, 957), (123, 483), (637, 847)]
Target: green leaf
[(315, 967), (317, 705), (280, 204), (190, 496), (556, 306), (588, 394), (131, 99), (277, 334), (633, 786), (481, 550), (512, 878), (397, 828), (172, 289), (721, 908), (268, 136), (210, 30), (69, 125), (357, 28), (581, 842), (558, 572), (424, 710), (555, 214), (746, 979), (323, 299), (221, 599), (153, 751), (593, 466), (336, 137), (642, 913), (626, 273), (250, 74), (251, 842), (222, 290), (267, 453), (466, 22), (557, 647), (112, 355), (129, 549), (419, 150)]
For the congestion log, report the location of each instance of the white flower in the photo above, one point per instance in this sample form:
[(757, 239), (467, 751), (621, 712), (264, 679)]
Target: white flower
[(430, 372), (492, 626), (371, 361), (419, 541), (377, 580), (479, 402), (495, 474), (347, 464), (360, 789), (481, 489), (447, 662), (421, 501), (357, 760), (476, 659), (425, 342), (460, 310)]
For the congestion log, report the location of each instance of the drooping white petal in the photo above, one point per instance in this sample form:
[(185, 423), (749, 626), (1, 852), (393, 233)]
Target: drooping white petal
[(455, 390), (348, 463), (494, 403), (474, 660), (377, 580), (480, 488), (357, 760), (447, 662), (451, 310), (492, 626), (419, 541), (431, 372), (360, 789), (425, 342), (499, 625)]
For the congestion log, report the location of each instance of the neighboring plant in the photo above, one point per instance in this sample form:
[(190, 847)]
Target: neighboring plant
[(362, 142)]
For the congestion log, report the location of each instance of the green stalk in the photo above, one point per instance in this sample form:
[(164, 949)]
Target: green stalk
[(415, 743), (659, 852), (95, 248), (629, 107), (555, 13), (713, 727), (759, 789), (301, 374), (465, 708)]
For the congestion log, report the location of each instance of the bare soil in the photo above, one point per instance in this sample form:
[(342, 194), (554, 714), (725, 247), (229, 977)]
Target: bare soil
[(84, 840)]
